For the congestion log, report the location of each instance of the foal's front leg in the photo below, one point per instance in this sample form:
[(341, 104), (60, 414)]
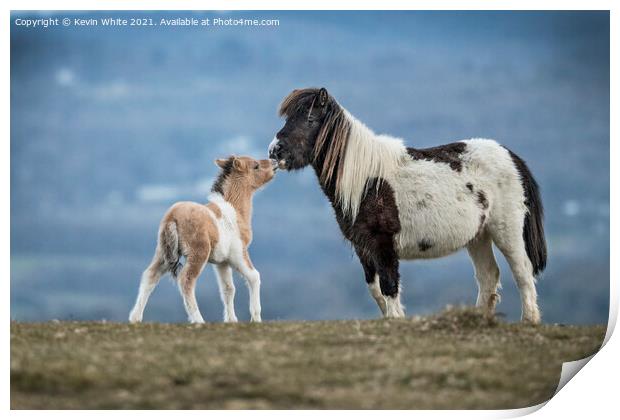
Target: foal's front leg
[(227, 291), (252, 278)]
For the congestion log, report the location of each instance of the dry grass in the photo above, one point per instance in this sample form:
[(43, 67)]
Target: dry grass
[(456, 359)]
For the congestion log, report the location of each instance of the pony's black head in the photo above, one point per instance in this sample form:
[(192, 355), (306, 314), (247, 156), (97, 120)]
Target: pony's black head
[(310, 117)]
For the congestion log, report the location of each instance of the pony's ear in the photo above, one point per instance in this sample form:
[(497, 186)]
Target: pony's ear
[(323, 96)]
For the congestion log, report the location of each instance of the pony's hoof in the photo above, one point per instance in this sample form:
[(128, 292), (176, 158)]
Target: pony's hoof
[(393, 308)]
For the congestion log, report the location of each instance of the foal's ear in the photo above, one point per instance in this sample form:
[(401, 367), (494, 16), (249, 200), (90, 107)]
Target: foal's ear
[(323, 96), (237, 164), (221, 162)]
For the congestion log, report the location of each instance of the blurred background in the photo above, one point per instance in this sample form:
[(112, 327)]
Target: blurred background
[(110, 126)]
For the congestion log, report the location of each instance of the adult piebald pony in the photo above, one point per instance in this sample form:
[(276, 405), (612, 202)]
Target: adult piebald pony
[(394, 202)]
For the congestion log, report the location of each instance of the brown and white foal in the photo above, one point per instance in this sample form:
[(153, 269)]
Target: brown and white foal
[(218, 232)]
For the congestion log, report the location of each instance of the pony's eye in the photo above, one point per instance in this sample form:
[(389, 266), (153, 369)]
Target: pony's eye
[(256, 166)]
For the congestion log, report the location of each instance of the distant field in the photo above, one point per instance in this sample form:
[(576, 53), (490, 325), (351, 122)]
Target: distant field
[(456, 359)]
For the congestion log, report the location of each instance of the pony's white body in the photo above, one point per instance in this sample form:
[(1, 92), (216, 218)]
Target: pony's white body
[(435, 206), (442, 209)]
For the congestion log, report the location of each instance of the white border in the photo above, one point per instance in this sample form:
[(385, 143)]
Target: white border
[(595, 392)]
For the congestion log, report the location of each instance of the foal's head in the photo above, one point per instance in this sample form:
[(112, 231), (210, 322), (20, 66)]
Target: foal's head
[(242, 172), (313, 120)]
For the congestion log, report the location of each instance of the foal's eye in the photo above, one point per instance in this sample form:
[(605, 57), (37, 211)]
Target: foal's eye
[(256, 166)]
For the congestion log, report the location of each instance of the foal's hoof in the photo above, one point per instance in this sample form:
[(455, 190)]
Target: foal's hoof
[(531, 317), (531, 321)]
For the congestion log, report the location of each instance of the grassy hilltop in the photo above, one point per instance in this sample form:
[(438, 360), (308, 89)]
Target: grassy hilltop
[(456, 359)]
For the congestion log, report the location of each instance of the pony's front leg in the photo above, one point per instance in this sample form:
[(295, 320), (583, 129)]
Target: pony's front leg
[(389, 280), (252, 278), (372, 280)]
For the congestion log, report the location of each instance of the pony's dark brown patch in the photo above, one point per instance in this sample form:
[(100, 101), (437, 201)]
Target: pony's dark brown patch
[(447, 153), (425, 245), (373, 231)]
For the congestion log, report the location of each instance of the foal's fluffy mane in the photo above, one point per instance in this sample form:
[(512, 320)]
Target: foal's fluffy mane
[(353, 152), (218, 184)]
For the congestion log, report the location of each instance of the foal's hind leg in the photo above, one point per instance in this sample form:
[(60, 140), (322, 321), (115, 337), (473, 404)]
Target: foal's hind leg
[(487, 272), (187, 286), (510, 242), (150, 278)]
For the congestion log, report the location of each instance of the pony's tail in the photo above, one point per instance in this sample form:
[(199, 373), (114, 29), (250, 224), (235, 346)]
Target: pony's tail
[(533, 229), (169, 243)]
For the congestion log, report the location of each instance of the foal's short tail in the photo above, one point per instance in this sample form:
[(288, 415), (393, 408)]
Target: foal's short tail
[(533, 230), (169, 245)]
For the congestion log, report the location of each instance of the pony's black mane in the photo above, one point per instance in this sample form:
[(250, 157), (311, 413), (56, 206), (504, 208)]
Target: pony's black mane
[(297, 100), (218, 185)]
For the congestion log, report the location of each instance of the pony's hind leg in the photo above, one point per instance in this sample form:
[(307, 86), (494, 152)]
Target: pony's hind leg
[(510, 242), (187, 286), (150, 278), (487, 272), (224, 276)]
